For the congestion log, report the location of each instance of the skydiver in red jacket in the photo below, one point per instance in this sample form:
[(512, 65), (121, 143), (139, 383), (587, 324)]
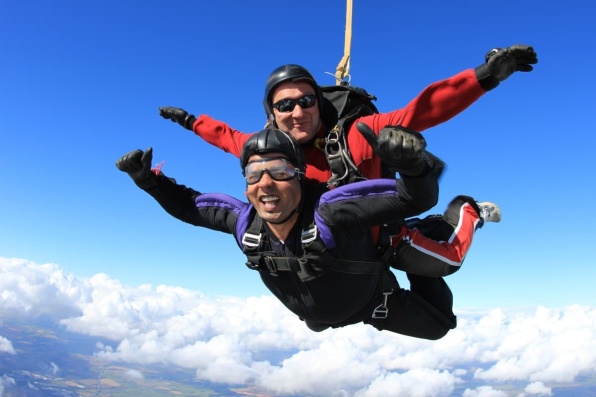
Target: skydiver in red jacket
[(294, 104)]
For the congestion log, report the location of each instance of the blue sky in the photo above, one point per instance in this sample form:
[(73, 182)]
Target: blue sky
[(81, 83)]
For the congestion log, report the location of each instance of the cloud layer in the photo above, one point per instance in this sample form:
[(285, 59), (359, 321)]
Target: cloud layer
[(257, 342)]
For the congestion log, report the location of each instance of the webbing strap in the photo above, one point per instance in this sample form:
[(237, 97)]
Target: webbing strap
[(343, 68), (267, 261), (315, 255), (343, 169), (275, 263)]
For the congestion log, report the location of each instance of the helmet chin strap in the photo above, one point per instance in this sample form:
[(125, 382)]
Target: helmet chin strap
[(271, 121)]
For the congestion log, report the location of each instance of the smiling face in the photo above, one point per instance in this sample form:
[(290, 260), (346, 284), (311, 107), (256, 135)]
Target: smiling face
[(302, 124), (276, 202)]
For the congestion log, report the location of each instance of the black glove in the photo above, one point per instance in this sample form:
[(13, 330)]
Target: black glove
[(178, 115), (398, 147), (138, 166), (503, 62)]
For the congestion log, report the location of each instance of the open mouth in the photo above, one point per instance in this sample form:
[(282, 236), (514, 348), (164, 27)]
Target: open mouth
[(269, 202)]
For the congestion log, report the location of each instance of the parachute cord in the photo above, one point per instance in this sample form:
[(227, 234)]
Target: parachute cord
[(343, 68)]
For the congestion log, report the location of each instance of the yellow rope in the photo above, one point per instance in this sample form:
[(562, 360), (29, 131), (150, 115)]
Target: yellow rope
[(343, 68)]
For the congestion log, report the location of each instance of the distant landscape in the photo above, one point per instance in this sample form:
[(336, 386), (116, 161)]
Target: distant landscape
[(52, 362)]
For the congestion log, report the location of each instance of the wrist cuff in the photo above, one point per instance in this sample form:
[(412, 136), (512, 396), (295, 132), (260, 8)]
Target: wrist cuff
[(189, 121), (486, 80), (147, 183)]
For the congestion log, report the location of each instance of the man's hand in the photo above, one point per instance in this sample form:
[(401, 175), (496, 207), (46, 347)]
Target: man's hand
[(395, 144), (178, 115), (398, 147), (503, 62), (138, 166), (500, 63)]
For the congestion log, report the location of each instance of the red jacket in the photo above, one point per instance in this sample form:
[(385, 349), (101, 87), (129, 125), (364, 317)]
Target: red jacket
[(436, 104)]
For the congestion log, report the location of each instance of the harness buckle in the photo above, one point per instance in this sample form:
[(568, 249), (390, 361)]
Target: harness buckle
[(251, 240), (270, 263), (382, 311), (309, 235), (333, 136), (252, 265)]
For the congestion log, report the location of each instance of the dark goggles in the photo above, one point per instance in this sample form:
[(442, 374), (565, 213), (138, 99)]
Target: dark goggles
[(278, 168), (288, 105)]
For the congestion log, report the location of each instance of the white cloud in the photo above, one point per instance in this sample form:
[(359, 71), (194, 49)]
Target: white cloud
[(26, 287), (134, 374), (5, 382), (550, 345), (484, 391), (421, 382), (256, 341), (538, 389), (6, 346)]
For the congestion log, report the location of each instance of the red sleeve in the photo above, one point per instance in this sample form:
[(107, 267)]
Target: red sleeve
[(220, 135), (436, 104)]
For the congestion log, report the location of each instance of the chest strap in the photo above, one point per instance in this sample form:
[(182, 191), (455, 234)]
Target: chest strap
[(315, 259), (342, 167)]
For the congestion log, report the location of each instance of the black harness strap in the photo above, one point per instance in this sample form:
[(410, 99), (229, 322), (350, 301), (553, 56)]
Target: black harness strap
[(343, 105), (343, 170), (315, 255), (315, 262)]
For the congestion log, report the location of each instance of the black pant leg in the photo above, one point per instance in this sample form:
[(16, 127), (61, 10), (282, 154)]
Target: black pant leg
[(436, 292), (412, 315)]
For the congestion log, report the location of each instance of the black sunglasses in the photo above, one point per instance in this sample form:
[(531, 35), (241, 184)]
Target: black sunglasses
[(287, 105)]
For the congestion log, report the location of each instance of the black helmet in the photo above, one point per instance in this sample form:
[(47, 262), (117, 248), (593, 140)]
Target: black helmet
[(272, 140), (293, 73)]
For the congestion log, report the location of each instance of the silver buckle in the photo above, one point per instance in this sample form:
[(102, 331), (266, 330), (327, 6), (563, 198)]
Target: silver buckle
[(309, 235), (382, 311), (251, 240)]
